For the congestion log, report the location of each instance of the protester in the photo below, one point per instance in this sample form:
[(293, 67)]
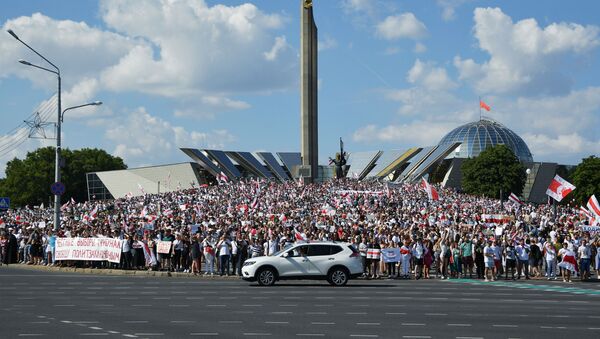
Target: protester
[(235, 221)]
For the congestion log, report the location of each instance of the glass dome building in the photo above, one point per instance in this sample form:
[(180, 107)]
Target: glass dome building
[(479, 135)]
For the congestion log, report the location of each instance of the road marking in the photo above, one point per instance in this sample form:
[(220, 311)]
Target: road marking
[(412, 324), (114, 332), (460, 325), (368, 324), (31, 334), (94, 334), (505, 326), (136, 321), (257, 334), (281, 312), (205, 334), (38, 322), (288, 305), (182, 321), (149, 334), (321, 323), (189, 305), (277, 322), (316, 312), (364, 335), (416, 336), (310, 334), (395, 313), (141, 305), (57, 305), (469, 337), (436, 314), (95, 328), (129, 336), (252, 305), (356, 313)]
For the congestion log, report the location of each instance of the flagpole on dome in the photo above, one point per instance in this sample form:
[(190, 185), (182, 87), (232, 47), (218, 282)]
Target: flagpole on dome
[(480, 108)]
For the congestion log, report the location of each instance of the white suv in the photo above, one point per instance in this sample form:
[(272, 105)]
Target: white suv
[(335, 261)]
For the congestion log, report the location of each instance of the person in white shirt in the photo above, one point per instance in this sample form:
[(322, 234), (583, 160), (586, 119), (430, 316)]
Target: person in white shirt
[(224, 248), (488, 259), (584, 254), (522, 259), (271, 245), (550, 257)]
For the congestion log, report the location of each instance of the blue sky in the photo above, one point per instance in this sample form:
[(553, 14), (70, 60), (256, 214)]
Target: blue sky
[(225, 74)]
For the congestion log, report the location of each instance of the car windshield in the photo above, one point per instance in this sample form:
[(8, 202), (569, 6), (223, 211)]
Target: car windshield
[(282, 250)]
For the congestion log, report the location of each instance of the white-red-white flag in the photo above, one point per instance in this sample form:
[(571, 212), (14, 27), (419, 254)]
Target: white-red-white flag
[(141, 189), (93, 214), (183, 207), (559, 188), (513, 197), (300, 236), (222, 177), (593, 205), (254, 204), (430, 190)]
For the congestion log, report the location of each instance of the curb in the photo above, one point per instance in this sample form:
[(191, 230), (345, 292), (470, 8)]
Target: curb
[(116, 272)]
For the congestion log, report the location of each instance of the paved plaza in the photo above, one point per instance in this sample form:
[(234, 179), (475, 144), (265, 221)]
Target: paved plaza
[(49, 304)]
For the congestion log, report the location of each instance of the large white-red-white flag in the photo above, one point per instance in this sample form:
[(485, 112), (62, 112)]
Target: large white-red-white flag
[(593, 206), (514, 198), (430, 190), (559, 188)]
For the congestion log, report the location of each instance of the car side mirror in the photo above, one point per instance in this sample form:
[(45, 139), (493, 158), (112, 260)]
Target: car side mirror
[(286, 254)]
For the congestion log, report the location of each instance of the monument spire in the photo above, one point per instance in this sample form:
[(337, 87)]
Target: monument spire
[(309, 142)]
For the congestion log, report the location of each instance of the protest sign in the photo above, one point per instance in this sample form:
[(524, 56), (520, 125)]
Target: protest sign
[(163, 247), (390, 254), (591, 229), (93, 249)]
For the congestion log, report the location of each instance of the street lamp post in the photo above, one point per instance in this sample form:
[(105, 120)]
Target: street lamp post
[(58, 122)]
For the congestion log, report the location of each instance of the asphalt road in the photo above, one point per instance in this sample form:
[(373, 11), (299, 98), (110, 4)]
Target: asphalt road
[(59, 305)]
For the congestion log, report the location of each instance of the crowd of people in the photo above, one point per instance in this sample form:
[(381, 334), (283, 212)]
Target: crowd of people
[(214, 229)]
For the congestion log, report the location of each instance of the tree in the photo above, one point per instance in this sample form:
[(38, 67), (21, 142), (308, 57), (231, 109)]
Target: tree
[(28, 181), (586, 178), (495, 169)]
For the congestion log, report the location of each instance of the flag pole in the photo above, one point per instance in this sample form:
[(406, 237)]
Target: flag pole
[(479, 108)]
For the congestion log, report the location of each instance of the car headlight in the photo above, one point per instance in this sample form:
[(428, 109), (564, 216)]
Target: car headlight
[(249, 263)]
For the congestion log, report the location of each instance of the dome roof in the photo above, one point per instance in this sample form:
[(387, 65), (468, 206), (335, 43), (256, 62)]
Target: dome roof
[(478, 135)]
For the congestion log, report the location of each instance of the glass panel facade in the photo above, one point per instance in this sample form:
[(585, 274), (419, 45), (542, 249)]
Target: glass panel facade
[(477, 136), (360, 162), (96, 189)]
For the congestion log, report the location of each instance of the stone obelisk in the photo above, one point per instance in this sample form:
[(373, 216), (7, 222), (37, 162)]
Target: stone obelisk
[(309, 141)]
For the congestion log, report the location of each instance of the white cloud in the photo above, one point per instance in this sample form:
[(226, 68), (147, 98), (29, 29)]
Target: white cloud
[(279, 45), (420, 48), (429, 76), (414, 133), (359, 6), (562, 146), (327, 43), (140, 136), (449, 8), (524, 57), (405, 25), (179, 49), (196, 49)]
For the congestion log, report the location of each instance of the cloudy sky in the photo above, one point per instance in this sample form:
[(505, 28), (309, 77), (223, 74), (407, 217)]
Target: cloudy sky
[(225, 74)]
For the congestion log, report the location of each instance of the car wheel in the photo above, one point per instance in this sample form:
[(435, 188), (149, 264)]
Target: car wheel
[(338, 276), (266, 277)]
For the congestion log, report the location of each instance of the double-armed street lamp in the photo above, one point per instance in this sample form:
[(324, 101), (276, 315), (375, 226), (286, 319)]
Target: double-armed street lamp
[(59, 121)]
